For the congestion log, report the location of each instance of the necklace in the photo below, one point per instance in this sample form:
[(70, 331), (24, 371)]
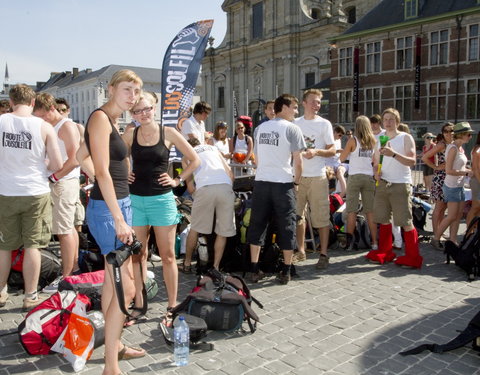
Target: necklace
[(147, 138)]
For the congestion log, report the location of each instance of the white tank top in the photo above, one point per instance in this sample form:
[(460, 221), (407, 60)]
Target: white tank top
[(241, 145), (392, 169), (360, 161), (23, 170), (459, 164), (75, 173), (211, 170), (223, 147)]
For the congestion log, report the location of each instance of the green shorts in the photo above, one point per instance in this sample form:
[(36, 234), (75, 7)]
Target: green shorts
[(25, 221), (393, 199), (360, 184)]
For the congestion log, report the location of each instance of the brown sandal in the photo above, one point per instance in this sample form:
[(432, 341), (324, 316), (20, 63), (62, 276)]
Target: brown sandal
[(184, 268), (122, 354)]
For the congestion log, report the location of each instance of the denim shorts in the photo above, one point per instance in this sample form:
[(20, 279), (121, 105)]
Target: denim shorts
[(456, 194), (102, 226), (155, 210)]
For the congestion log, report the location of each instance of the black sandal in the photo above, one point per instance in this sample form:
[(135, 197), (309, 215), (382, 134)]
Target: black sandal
[(185, 269), (168, 318), (134, 317)]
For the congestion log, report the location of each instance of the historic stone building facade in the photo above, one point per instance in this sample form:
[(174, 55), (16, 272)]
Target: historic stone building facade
[(423, 59), (272, 47)]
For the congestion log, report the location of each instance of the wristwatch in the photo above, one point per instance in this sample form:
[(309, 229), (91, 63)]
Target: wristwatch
[(181, 181)]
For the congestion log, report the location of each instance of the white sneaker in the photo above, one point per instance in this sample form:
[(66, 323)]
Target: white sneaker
[(155, 258), (3, 297), (53, 287)]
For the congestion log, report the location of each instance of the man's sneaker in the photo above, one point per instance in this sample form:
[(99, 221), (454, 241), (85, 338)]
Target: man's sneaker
[(30, 303), (256, 277), (322, 262), (53, 287), (3, 298), (283, 279)]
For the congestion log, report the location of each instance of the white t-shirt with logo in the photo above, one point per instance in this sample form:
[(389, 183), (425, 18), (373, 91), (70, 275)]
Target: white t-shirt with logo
[(275, 140), (192, 126), (318, 133), (211, 170)]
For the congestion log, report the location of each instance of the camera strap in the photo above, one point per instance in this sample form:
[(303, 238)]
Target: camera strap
[(117, 280)]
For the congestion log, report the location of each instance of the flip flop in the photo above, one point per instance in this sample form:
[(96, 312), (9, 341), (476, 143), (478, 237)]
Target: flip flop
[(123, 355), (131, 320)]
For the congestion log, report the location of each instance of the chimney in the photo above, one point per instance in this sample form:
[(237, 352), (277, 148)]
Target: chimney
[(75, 72)]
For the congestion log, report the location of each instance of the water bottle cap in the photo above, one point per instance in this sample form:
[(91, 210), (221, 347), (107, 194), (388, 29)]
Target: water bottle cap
[(181, 317)]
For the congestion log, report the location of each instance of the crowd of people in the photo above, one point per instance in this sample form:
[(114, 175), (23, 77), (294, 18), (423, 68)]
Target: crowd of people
[(43, 152)]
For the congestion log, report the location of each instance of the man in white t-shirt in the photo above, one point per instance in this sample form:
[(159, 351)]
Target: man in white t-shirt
[(26, 213), (313, 188), (194, 126), (213, 196), (277, 142)]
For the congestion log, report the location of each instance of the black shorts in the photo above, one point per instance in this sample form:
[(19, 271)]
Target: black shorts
[(273, 200), (427, 171)]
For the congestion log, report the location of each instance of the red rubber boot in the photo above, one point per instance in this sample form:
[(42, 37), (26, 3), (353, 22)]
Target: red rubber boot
[(412, 257), (385, 252)]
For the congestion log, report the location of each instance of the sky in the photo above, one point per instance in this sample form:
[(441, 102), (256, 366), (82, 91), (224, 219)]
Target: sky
[(44, 36)]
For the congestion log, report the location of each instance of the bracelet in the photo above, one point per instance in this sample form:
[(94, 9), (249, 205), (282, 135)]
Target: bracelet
[(52, 178), (180, 180), (394, 155), (295, 183)]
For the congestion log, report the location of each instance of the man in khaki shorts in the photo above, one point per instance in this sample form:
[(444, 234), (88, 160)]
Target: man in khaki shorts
[(64, 184), (25, 215), (212, 196), (313, 185)]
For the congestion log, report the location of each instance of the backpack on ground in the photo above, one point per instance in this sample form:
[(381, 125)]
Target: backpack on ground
[(361, 234), (89, 284), (197, 330), (471, 334), (44, 324), (50, 268), (223, 301), (336, 202), (467, 255)]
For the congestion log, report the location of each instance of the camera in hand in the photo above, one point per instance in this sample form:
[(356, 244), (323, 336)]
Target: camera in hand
[(119, 256)]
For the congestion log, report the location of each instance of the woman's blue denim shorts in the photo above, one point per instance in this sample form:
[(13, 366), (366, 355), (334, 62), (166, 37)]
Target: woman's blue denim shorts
[(102, 226), (456, 194)]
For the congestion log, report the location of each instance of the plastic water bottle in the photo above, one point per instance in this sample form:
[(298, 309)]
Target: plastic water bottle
[(181, 335)]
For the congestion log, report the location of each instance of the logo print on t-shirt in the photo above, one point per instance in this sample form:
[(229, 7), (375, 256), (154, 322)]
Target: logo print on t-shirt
[(362, 153), (269, 138), (22, 140), (309, 141)]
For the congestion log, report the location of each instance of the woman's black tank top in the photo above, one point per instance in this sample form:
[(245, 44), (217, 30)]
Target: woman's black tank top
[(118, 166), (149, 162)]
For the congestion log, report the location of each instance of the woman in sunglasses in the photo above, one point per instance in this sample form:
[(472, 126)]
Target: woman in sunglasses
[(453, 191), (241, 145), (438, 166), (429, 139), (475, 181), (153, 202)]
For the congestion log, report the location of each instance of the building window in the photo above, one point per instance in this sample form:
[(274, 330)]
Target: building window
[(439, 47), (373, 57), (346, 61), (345, 106), (404, 101), (221, 97), (372, 101), (437, 100), (411, 9), (309, 79), (473, 43), (257, 20), (351, 15), (315, 13), (473, 99), (404, 53)]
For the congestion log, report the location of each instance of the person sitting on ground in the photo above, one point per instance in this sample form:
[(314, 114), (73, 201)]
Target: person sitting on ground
[(360, 180), (241, 145), (153, 202), (453, 188), (213, 197), (220, 139)]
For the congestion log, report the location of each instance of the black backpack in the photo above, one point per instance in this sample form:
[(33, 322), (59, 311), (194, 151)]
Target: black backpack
[(467, 255), (361, 234)]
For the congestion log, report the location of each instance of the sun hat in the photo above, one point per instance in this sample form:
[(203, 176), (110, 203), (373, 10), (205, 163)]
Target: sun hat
[(462, 127)]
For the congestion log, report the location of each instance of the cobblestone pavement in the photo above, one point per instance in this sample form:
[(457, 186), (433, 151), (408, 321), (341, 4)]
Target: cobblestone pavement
[(353, 318)]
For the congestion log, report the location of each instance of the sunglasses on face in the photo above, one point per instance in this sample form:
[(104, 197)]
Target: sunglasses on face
[(429, 137), (62, 110), (348, 134)]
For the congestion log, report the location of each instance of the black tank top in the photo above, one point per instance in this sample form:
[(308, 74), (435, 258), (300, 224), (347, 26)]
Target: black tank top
[(149, 162), (118, 166)]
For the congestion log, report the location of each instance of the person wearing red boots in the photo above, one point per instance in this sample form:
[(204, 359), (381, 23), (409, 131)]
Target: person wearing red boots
[(393, 194)]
